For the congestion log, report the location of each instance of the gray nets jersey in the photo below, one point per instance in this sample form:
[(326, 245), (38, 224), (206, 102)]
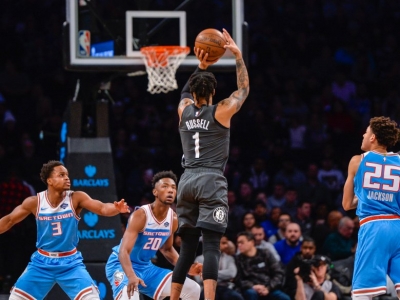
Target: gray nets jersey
[(205, 142)]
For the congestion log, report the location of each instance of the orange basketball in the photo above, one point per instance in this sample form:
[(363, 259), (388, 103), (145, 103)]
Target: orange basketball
[(211, 41)]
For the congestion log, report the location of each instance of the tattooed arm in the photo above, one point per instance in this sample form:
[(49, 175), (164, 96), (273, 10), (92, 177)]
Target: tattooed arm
[(229, 106)]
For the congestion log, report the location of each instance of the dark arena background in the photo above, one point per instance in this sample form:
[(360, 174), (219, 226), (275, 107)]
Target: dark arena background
[(319, 70)]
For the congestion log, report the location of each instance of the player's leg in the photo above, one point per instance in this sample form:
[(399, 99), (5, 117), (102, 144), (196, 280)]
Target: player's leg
[(36, 281), (394, 263), (116, 277), (374, 251), (190, 290), (213, 219), (188, 211), (74, 279), (187, 255), (211, 252)]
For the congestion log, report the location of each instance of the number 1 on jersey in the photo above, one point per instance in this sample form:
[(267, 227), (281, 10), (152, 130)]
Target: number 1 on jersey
[(196, 138)]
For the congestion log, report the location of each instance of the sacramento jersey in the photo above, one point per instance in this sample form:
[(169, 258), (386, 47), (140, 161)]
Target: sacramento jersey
[(57, 227), (153, 237), (56, 260), (149, 240), (205, 141), (377, 184)]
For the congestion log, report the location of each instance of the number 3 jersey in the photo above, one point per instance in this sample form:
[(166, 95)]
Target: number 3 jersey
[(205, 142), (377, 184), (151, 238), (57, 227)]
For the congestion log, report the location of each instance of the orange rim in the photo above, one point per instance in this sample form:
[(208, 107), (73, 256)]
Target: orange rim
[(158, 55)]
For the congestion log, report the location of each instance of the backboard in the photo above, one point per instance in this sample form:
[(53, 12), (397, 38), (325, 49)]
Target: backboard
[(106, 36)]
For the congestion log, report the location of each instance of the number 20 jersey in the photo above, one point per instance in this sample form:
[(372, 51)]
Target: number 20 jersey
[(205, 142), (152, 237), (377, 184)]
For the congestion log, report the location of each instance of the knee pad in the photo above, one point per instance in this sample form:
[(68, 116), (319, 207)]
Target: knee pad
[(187, 254), (93, 295), (211, 253)]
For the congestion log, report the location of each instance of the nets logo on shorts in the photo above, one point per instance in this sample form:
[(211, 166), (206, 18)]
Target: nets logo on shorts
[(219, 215)]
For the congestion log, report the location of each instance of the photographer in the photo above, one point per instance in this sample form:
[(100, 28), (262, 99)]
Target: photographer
[(316, 285)]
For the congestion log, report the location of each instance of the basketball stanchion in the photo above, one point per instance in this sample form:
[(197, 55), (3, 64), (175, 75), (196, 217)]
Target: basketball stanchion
[(161, 64)]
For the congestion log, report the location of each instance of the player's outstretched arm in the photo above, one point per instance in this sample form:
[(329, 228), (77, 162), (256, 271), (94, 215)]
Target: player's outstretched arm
[(28, 206), (83, 200), (136, 223), (349, 200)]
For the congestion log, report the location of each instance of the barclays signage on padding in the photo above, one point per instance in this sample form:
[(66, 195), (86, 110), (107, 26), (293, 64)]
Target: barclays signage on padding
[(91, 220), (90, 181)]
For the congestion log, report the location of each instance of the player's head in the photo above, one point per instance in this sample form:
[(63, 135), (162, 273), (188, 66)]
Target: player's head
[(55, 171), (164, 186), (381, 131), (202, 86)]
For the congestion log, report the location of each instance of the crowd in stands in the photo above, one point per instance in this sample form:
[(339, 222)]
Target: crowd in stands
[(319, 70)]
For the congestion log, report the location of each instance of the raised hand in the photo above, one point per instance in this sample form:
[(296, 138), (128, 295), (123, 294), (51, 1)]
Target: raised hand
[(202, 57), (121, 206), (231, 45)]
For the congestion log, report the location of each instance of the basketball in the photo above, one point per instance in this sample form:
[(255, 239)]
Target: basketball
[(211, 41)]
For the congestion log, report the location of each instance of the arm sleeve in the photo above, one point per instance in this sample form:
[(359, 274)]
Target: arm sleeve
[(185, 93)]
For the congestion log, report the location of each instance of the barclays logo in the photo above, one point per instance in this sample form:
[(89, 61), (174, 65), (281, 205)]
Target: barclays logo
[(90, 170), (91, 219)]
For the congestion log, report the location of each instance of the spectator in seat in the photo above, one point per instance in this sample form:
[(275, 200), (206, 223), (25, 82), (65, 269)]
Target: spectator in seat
[(289, 246), (260, 275)]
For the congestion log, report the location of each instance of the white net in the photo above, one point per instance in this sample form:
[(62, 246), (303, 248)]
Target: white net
[(161, 64)]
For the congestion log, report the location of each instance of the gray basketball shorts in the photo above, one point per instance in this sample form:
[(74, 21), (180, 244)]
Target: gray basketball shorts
[(202, 200)]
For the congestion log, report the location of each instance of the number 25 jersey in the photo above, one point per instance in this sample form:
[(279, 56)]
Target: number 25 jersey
[(377, 184)]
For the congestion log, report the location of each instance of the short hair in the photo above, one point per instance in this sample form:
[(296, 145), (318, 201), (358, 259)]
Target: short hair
[(249, 236), (202, 84), (308, 239), (300, 203), (163, 174), (260, 203), (343, 221), (286, 214), (48, 168), (258, 226), (386, 131)]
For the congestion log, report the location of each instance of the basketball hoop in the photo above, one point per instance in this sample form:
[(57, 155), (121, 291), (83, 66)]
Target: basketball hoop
[(161, 65)]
